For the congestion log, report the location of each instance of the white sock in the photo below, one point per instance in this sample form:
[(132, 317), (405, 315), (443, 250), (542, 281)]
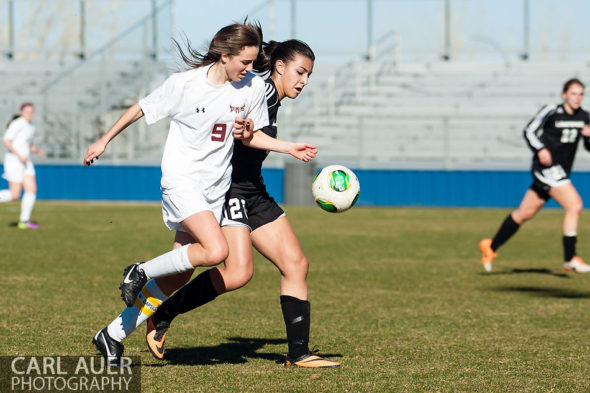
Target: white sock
[(175, 261), (5, 196), (26, 206), (146, 304)]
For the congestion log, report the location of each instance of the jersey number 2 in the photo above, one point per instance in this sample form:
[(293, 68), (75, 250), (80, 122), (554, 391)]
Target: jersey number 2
[(235, 209), (218, 132)]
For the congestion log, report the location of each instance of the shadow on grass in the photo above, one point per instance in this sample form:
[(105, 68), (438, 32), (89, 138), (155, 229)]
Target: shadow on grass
[(546, 292), (527, 271), (238, 351)]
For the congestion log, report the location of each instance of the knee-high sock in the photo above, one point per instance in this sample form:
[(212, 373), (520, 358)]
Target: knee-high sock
[(26, 206), (194, 294), (569, 246), (175, 261), (296, 314), (146, 304), (507, 229), (5, 196)]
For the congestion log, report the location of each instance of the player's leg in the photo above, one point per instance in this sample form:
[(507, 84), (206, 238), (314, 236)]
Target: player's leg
[(277, 241), (236, 272), (28, 200), (533, 200), (154, 293), (210, 250), (14, 171), (12, 193), (567, 196)]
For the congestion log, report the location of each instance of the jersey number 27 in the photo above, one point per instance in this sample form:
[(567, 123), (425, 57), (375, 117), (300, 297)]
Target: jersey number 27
[(568, 135)]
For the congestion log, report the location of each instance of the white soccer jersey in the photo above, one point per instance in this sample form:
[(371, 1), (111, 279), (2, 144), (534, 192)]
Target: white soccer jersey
[(200, 140), (20, 132)]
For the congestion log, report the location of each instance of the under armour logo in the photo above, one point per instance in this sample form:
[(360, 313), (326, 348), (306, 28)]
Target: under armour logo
[(200, 110)]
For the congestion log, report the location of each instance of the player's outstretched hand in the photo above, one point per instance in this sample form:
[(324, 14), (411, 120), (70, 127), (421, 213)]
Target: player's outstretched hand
[(94, 151), (303, 151), (586, 131), (243, 128)]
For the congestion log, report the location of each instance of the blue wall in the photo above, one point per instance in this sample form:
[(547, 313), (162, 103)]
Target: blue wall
[(378, 187)]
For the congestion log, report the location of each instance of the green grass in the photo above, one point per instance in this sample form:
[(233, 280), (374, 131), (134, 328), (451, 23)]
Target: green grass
[(398, 295)]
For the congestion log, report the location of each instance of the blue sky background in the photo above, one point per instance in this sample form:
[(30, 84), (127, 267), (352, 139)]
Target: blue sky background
[(335, 29), (480, 29)]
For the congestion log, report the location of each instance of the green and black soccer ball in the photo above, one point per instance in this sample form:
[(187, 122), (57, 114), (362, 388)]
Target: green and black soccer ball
[(335, 188)]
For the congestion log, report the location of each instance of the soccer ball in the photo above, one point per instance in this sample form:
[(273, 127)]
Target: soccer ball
[(335, 188)]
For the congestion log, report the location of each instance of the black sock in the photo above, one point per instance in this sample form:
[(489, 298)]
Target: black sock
[(194, 294), (569, 247), (507, 229), (296, 314)]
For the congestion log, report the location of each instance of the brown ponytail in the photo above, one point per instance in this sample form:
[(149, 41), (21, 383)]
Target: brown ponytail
[(230, 40)]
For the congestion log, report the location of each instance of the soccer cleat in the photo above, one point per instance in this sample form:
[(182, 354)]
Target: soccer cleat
[(576, 265), (310, 360), (155, 337), (487, 254), (27, 225), (132, 284), (110, 349)]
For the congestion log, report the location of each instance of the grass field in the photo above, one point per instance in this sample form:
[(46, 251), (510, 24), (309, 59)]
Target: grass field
[(398, 295)]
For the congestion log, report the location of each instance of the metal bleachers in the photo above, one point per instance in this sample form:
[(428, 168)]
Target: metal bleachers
[(441, 115)]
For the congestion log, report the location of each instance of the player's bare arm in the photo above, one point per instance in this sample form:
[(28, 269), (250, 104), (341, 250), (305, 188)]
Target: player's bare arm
[(96, 149), (37, 150), (10, 147), (243, 130)]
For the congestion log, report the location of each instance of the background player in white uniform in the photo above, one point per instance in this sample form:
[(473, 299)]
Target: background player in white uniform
[(553, 136), (252, 217), (19, 170), (203, 104)]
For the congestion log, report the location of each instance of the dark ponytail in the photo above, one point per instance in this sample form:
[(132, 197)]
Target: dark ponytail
[(285, 51), (14, 117)]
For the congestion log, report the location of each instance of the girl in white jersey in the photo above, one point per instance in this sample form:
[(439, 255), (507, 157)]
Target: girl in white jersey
[(208, 106), (18, 167)]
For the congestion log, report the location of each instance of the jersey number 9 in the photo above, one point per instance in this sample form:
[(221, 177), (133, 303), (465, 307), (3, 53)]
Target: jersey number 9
[(218, 132)]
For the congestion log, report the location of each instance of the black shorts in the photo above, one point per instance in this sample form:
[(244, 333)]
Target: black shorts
[(250, 208), (544, 179), (541, 189)]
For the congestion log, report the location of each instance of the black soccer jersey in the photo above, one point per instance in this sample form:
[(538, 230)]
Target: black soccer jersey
[(559, 132), (247, 161)]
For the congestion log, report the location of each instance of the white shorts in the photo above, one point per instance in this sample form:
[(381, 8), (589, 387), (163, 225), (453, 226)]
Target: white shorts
[(179, 204), (15, 170)]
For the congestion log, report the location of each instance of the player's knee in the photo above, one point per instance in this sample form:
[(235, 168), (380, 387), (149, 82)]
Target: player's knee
[(238, 280), (576, 207), (523, 215), (217, 254), (296, 267)]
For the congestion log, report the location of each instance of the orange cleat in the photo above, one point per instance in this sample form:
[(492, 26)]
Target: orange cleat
[(309, 360), (487, 254), (576, 265), (155, 338)]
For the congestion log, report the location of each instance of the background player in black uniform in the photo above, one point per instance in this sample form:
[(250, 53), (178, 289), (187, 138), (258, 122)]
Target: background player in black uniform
[(553, 136), (252, 217)]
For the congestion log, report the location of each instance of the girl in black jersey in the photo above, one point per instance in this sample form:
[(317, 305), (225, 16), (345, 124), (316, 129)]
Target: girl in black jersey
[(252, 217), (553, 136)]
